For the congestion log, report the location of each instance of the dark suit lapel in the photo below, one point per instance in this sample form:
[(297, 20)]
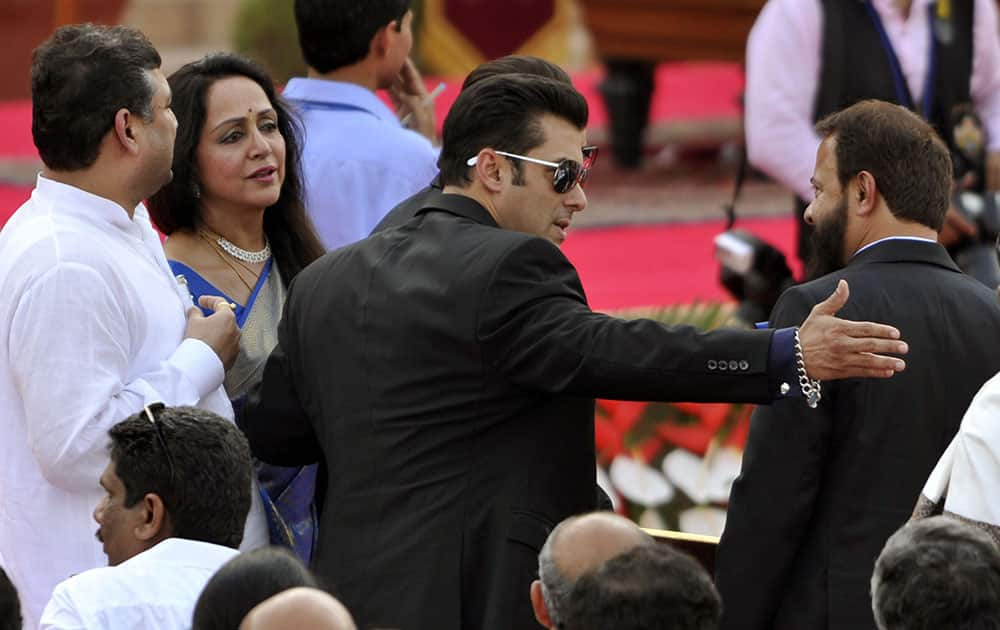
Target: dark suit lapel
[(905, 250), (459, 205)]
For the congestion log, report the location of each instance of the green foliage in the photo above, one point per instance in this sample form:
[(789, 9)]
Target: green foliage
[(264, 30)]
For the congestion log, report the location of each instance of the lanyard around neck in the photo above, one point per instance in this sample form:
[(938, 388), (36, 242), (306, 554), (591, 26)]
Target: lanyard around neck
[(903, 96)]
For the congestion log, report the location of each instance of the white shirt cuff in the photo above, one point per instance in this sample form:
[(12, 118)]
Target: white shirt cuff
[(199, 363)]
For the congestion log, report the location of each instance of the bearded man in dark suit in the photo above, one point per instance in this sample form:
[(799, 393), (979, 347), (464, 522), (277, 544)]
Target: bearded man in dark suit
[(445, 371), (822, 489)]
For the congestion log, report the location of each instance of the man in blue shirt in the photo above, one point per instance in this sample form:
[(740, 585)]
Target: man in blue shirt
[(358, 159)]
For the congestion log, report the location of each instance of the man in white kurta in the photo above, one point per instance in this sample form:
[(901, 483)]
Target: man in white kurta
[(92, 323)]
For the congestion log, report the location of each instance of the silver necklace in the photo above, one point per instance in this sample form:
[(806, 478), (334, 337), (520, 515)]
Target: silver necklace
[(245, 255)]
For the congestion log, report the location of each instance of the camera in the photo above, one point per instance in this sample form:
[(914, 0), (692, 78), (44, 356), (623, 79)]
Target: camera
[(753, 271)]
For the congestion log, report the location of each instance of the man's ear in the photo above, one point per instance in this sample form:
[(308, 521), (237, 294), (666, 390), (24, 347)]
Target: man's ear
[(538, 604), (124, 131), (155, 523), (379, 46), (488, 170), (866, 191)]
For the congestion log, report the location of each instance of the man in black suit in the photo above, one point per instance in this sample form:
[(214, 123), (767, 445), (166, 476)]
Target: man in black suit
[(821, 490), (446, 370)]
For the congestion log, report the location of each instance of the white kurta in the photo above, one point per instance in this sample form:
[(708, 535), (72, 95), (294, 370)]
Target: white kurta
[(91, 329), (967, 477), (155, 589)]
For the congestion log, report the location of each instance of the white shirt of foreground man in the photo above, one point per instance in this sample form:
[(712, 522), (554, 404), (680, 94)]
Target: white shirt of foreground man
[(92, 323), (155, 589), (965, 483)]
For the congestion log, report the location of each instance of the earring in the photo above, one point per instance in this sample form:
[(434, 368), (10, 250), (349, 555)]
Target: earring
[(196, 190)]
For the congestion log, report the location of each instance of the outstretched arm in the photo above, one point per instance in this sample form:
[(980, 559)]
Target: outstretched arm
[(535, 326)]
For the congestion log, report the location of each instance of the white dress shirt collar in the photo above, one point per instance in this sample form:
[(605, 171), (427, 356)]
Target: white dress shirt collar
[(894, 238), (67, 199)]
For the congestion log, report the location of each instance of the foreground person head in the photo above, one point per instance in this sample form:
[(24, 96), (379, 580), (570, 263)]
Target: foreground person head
[(299, 608), (577, 545), (937, 573), (245, 581), (516, 144)]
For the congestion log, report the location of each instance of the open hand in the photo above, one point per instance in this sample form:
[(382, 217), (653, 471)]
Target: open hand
[(218, 330), (834, 348)]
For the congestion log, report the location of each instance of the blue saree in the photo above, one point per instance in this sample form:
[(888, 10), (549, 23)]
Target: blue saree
[(287, 493)]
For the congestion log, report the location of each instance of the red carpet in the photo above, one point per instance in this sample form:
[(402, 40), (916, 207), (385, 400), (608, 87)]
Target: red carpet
[(656, 265), (11, 197), (684, 91), (15, 130)]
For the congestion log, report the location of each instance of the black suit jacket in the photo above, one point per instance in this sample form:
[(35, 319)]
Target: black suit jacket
[(821, 490), (406, 209), (446, 371)]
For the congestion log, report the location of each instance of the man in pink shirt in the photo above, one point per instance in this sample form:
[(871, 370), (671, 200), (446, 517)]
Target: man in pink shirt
[(809, 58)]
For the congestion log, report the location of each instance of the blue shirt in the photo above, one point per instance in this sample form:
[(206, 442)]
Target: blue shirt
[(358, 161)]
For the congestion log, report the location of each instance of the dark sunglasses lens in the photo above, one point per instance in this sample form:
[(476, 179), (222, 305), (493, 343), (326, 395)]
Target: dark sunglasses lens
[(565, 176)]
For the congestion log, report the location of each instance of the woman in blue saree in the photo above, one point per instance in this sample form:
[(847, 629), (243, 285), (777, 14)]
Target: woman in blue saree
[(237, 228)]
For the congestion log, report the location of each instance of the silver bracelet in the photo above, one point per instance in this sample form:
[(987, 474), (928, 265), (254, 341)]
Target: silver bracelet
[(810, 387)]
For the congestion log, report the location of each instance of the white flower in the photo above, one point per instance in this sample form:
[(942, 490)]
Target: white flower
[(707, 521), (707, 480), (639, 483), (651, 519)]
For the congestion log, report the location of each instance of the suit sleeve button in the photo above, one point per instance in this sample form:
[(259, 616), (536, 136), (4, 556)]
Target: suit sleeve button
[(712, 364), (744, 365)]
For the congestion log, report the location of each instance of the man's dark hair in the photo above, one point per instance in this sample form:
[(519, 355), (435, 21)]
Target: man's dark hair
[(289, 232), (647, 588), (504, 112), (10, 607), (80, 78), (208, 494), (516, 64), (911, 165), (245, 581), (338, 33), (937, 573)]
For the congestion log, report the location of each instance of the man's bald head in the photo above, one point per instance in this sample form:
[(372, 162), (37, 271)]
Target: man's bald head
[(299, 608), (582, 543), (577, 545)]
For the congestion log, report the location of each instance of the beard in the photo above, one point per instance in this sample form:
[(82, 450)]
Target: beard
[(826, 252)]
